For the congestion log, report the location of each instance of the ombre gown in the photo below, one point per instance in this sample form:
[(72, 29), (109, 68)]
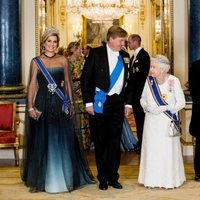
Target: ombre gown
[(53, 156)]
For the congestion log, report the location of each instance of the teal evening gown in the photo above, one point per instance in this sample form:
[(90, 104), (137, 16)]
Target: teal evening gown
[(54, 160), (128, 140)]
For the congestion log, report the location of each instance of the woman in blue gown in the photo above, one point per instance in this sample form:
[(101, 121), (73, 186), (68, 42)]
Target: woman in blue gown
[(128, 140), (53, 156)]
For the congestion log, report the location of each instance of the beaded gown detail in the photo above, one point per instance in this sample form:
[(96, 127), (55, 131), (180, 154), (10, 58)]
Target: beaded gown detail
[(53, 157)]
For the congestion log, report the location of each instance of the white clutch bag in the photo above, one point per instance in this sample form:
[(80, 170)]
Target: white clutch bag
[(174, 129), (38, 113)]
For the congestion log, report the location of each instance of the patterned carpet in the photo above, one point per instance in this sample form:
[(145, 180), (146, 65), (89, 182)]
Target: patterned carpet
[(12, 188)]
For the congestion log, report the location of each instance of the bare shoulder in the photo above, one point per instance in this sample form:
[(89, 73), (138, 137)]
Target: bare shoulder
[(33, 63), (61, 60)]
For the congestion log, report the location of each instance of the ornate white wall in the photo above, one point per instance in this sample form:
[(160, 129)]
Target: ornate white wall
[(181, 40)]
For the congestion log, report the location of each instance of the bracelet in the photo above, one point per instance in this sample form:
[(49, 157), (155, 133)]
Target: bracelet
[(30, 109)]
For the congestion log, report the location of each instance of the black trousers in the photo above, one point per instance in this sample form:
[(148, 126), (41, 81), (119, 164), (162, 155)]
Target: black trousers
[(107, 135), (197, 157), (139, 116)]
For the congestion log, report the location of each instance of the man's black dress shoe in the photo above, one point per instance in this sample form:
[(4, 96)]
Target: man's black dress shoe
[(197, 178), (116, 185), (103, 186)]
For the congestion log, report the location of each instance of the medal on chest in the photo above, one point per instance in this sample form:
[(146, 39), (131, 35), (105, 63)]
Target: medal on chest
[(135, 69), (164, 96)]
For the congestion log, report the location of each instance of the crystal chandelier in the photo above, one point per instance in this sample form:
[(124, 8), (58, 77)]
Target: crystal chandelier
[(102, 10)]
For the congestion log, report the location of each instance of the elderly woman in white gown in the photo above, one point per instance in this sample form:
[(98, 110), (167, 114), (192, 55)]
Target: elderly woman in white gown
[(161, 163)]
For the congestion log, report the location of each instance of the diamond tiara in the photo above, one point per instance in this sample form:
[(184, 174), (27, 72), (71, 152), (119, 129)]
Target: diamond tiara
[(50, 30)]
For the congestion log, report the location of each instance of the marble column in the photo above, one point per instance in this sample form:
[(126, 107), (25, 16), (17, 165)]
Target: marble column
[(10, 52), (194, 31)]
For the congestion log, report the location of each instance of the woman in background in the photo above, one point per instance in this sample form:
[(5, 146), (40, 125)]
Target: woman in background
[(76, 62), (161, 163)]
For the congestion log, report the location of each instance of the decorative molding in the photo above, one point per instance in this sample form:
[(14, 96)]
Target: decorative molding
[(12, 88), (52, 2), (153, 2), (142, 13), (52, 12), (171, 4), (37, 40), (187, 143), (12, 96), (62, 13)]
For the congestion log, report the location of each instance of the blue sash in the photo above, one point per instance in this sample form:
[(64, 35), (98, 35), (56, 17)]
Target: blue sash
[(157, 96), (100, 96), (52, 86)]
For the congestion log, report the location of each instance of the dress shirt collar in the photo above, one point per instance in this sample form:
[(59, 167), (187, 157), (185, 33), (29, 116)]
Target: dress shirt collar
[(137, 51), (111, 52)]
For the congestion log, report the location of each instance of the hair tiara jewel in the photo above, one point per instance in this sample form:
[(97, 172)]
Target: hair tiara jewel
[(50, 30)]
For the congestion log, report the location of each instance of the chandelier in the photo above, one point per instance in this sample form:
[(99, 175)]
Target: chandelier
[(102, 10)]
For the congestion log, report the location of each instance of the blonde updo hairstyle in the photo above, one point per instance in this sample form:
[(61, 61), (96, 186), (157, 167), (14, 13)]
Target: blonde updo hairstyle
[(72, 47), (163, 62), (49, 31)]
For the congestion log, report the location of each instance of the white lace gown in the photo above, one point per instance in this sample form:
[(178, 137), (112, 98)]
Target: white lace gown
[(161, 163)]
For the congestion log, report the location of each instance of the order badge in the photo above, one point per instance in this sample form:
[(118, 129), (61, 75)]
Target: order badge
[(99, 104)]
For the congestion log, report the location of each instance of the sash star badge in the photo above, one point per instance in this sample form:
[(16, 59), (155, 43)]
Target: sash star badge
[(99, 104), (164, 97)]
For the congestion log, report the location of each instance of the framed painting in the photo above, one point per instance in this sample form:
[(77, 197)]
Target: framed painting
[(95, 33)]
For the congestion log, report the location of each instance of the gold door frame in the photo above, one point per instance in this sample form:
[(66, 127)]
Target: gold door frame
[(162, 11), (44, 16)]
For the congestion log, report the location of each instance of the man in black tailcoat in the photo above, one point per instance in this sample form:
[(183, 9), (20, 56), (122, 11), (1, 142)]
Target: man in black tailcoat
[(107, 124), (139, 69)]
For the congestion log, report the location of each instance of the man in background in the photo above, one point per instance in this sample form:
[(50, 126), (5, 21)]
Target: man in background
[(139, 69), (86, 50), (194, 129)]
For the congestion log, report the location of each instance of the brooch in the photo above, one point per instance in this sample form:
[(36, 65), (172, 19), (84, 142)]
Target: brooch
[(126, 60), (135, 69), (99, 104), (164, 97), (52, 87)]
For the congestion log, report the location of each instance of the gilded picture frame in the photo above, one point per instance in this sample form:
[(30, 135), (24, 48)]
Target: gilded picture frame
[(95, 33)]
